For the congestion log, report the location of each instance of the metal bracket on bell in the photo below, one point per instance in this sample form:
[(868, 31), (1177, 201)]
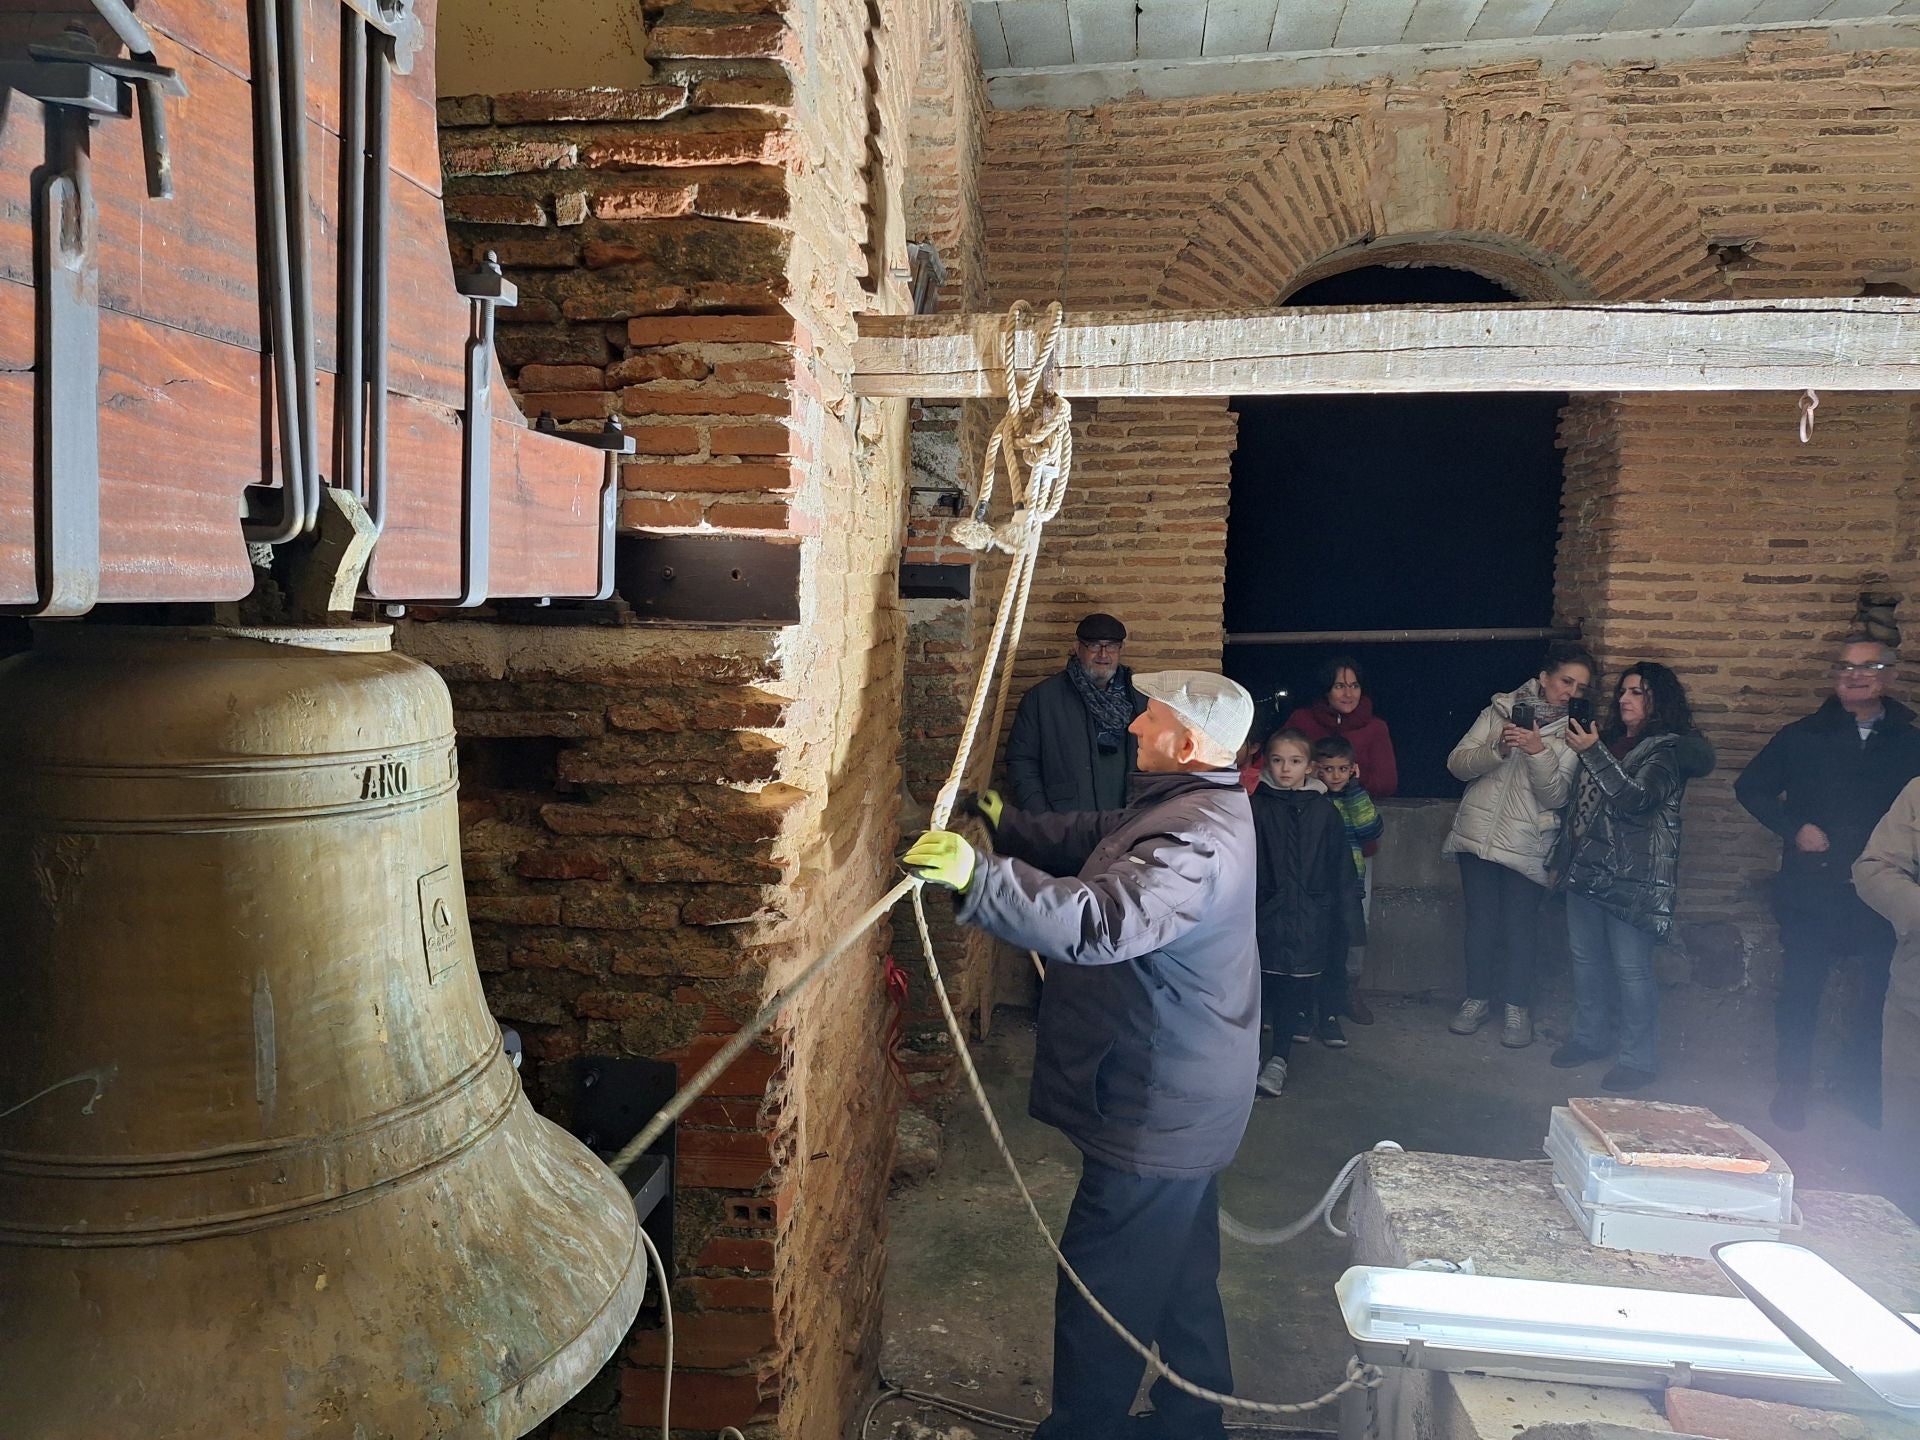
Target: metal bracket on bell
[(52, 77), (397, 20), (486, 289), (612, 437), (76, 84)]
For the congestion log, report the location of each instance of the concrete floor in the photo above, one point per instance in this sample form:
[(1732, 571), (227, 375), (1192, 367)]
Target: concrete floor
[(970, 1286)]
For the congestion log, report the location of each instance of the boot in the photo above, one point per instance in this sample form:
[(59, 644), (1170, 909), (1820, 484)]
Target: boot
[(1470, 1017), (1517, 1033)]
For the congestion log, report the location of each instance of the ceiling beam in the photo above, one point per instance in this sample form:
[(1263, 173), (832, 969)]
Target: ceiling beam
[(1864, 344)]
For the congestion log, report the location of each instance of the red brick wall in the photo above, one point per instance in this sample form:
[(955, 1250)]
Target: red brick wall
[(665, 821), (1786, 170)]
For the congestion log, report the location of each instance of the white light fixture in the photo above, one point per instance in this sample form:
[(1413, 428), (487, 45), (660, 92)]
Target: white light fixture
[(1595, 1334), (1828, 1316)]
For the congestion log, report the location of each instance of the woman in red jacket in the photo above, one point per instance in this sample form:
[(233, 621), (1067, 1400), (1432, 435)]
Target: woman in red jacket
[(1343, 709)]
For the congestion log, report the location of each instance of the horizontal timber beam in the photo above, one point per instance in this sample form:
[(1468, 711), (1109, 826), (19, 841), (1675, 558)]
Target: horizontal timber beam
[(1839, 344)]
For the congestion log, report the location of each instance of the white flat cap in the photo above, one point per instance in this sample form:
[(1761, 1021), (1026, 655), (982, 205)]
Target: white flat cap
[(1219, 708)]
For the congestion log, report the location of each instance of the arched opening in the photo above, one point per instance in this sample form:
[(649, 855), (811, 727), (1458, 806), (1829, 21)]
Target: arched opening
[(1358, 513)]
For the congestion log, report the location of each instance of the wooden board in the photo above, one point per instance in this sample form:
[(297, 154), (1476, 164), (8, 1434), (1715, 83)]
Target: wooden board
[(1681, 1137), (1841, 344)]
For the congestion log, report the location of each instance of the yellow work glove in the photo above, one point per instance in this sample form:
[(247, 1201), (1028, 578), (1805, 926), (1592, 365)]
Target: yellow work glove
[(942, 857), (989, 805)]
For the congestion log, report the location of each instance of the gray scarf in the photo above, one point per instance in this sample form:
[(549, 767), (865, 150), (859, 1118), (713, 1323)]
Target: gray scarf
[(1111, 707)]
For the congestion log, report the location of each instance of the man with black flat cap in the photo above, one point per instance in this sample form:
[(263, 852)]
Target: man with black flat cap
[(1069, 749)]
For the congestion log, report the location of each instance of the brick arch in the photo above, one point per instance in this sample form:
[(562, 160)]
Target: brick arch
[(1546, 206)]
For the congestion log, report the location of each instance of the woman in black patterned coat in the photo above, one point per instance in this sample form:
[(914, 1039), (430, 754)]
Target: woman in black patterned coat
[(1619, 860)]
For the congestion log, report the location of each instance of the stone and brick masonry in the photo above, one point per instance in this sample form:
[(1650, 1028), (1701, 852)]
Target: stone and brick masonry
[(663, 821)]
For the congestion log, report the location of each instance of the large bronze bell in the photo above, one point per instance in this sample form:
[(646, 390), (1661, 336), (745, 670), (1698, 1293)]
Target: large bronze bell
[(264, 1169)]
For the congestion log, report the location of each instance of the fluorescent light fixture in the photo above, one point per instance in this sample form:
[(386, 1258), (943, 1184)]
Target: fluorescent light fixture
[(1829, 1317), (1595, 1334)]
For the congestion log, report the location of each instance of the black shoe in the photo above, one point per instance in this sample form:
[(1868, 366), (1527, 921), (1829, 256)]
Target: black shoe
[(1622, 1078), (1789, 1108), (1573, 1053), (1302, 1029), (1358, 1011), (1329, 1033)]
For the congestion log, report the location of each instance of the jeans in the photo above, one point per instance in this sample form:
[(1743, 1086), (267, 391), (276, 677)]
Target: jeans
[(1612, 959), (1357, 954), (1502, 909), (1149, 1249), (1809, 949)]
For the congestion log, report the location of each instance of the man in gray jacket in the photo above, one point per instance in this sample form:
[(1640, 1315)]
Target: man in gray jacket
[(1069, 748), (1149, 1040)]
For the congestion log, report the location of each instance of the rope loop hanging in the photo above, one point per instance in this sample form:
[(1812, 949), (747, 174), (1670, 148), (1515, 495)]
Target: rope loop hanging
[(1032, 444)]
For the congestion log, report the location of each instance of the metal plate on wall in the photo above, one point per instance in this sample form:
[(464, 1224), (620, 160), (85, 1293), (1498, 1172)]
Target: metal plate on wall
[(716, 579)]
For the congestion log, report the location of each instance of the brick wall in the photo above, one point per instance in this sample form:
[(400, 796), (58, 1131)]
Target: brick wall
[(664, 821), (1696, 530)]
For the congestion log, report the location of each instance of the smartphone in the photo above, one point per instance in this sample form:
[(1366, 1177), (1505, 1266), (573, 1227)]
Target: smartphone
[(1581, 708), (1523, 714)]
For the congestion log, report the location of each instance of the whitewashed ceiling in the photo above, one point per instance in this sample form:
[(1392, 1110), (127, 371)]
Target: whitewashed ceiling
[(1023, 34)]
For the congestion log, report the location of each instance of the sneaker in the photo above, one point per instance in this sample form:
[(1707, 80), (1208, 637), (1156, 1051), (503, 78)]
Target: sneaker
[(1573, 1053), (1789, 1108), (1517, 1033), (1273, 1077), (1303, 1028), (1358, 1011), (1622, 1078), (1470, 1017), (1329, 1033)]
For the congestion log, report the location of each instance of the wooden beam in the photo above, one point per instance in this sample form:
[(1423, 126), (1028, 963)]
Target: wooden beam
[(1863, 344)]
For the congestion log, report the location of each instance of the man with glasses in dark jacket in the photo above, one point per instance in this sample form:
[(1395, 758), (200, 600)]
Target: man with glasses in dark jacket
[(1069, 749), (1149, 1039), (1821, 784)]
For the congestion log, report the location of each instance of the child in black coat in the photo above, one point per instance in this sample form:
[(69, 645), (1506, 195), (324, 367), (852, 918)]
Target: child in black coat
[(1306, 886)]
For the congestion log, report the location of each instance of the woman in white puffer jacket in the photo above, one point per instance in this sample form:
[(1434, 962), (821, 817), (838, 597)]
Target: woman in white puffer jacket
[(1519, 778)]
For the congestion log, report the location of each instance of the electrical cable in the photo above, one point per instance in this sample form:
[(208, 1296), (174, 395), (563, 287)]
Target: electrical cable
[(666, 1311), (1249, 1235)]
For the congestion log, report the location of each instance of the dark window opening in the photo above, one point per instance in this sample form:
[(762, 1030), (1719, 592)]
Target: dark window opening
[(1392, 512)]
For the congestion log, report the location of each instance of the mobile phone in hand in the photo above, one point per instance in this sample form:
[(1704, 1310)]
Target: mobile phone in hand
[(1581, 708), (1523, 714)]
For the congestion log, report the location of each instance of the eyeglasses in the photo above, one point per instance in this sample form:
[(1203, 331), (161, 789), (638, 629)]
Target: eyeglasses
[(1098, 645), (1876, 667)]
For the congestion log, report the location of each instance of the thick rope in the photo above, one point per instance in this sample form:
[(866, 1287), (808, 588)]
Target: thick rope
[(1022, 385), (1359, 1376), (1038, 439)]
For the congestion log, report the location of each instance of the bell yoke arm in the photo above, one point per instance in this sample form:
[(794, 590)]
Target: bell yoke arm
[(1150, 896)]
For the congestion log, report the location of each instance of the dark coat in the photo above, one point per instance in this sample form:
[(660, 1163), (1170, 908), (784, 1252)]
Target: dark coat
[(1150, 1017), (1621, 846), (1816, 772), (1051, 746), (1308, 894)]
